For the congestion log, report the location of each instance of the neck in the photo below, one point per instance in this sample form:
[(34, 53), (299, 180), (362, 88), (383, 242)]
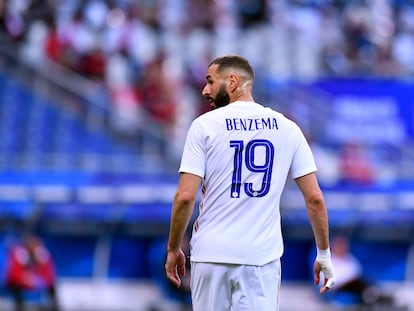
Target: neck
[(242, 97)]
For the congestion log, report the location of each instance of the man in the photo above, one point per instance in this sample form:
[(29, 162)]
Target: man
[(241, 152), (30, 267), (350, 279)]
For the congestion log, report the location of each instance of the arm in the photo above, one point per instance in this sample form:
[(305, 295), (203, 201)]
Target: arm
[(182, 211), (316, 209)]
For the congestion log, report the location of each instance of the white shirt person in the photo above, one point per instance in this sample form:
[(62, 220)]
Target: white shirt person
[(241, 153)]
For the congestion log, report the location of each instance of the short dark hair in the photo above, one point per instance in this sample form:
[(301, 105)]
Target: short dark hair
[(233, 61)]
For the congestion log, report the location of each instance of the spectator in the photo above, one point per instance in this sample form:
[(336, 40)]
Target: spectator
[(53, 46), (157, 92), (30, 267), (92, 64), (76, 37), (362, 37), (126, 102), (350, 279), (11, 21), (355, 164)]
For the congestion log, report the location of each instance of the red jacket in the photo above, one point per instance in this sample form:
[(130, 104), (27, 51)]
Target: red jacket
[(30, 272)]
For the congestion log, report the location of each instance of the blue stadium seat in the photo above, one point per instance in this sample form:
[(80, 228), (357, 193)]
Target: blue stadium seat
[(74, 255), (382, 260), (36, 131), (124, 247), (11, 210), (147, 212), (75, 212)]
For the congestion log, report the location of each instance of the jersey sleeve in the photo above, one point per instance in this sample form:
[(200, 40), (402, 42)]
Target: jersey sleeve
[(194, 155), (303, 162)]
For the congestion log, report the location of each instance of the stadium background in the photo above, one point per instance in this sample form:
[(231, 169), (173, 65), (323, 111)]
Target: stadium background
[(96, 96)]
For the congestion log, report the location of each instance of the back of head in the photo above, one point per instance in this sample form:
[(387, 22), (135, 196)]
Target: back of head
[(234, 62)]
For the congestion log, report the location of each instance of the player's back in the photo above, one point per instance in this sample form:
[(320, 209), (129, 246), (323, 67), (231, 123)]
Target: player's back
[(248, 152)]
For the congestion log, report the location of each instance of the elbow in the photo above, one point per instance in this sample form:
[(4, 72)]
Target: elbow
[(315, 201), (184, 198)]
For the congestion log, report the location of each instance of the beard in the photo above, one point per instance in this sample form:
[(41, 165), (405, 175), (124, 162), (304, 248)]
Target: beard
[(222, 98)]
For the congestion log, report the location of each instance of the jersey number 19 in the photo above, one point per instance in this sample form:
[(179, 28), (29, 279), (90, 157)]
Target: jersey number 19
[(249, 161)]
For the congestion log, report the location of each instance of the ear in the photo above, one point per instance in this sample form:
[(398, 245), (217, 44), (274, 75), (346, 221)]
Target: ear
[(233, 82)]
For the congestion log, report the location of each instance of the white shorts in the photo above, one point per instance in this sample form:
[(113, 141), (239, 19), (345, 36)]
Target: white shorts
[(225, 287)]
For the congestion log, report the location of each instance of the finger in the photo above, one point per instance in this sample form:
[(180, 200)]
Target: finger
[(323, 290), (181, 270), (174, 278), (172, 274), (316, 278), (327, 285)]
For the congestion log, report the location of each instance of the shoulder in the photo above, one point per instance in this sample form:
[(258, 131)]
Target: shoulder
[(280, 115), (208, 119), (282, 119), (212, 114), (19, 254), (42, 254)]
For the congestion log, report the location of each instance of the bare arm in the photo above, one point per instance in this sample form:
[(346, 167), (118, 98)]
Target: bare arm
[(316, 209), (318, 217), (182, 211)]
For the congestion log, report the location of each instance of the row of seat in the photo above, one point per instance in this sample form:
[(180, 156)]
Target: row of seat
[(36, 131), (109, 198)]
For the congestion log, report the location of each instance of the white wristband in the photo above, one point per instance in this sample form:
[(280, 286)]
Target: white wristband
[(323, 257), (323, 254)]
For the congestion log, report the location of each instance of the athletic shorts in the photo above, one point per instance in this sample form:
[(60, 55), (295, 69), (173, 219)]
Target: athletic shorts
[(229, 287)]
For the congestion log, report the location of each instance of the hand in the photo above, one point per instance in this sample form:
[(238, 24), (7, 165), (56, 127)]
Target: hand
[(324, 264), (175, 266)]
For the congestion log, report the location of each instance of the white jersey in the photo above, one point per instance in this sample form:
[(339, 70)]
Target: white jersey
[(244, 152)]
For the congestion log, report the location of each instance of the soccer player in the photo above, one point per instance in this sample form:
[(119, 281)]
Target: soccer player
[(241, 153)]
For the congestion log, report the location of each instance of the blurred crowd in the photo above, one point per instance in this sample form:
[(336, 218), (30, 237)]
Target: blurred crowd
[(153, 54), (295, 38)]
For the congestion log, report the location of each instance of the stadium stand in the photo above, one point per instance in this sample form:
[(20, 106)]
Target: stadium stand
[(100, 197)]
